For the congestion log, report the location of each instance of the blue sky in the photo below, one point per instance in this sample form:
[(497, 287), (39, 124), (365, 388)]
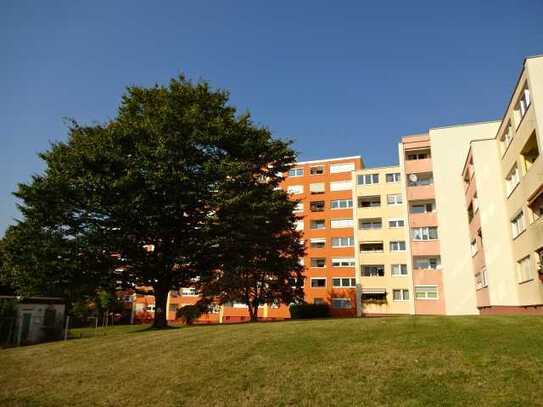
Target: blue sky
[(338, 78)]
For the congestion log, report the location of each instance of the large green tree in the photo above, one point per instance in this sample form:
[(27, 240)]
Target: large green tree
[(147, 185)]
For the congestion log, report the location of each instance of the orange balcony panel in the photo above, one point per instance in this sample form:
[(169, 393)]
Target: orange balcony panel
[(417, 166), (421, 192), (434, 278), (470, 191), (425, 248), (475, 224), (478, 260), (483, 297), (422, 219)]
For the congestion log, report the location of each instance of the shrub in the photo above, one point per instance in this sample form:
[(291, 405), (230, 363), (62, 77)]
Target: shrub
[(189, 313), (305, 311)]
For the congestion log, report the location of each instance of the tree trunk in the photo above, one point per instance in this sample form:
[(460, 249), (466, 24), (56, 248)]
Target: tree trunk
[(161, 313), (253, 312)]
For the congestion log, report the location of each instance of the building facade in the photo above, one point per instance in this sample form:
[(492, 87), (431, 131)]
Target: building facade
[(455, 229)]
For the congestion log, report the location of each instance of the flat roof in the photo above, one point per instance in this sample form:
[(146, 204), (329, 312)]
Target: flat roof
[(328, 160)]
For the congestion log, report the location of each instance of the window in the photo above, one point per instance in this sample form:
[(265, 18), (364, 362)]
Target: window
[(318, 282), (343, 262), (523, 104), (345, 167), (480, 279), (189, 291), (524, 270), (369, 201), (296, 172), (475, 202), (316, 206), (316, 188), (536, 206), (473, 247), (425, 263), (529, 152), (341, 223), (397, 246), (517, 224), (341, 204), (416, 180), (371, 247), (375, 270), (423, 207), (378, 295), (342, 241), (426, 292), (396, 223), (421, 155), (366, 224), (299, 224), (512, 180), (344, 303), (345, 282), (424, 233), (317, 170), (400, 295), (299, 207), (318, 224), (393, 177), (368, 179), (394, 199), (506, 137), (295, 189), (397, 270), (318, 262), (296, 282), (317, 243), (341, 186), (470, 212)]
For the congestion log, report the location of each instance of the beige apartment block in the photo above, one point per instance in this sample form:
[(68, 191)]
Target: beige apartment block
[(383, 275), (521, 142)]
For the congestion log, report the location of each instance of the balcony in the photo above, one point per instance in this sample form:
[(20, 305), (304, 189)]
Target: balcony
[(422, 219), (418, 166), (425, 248), (420, 192)]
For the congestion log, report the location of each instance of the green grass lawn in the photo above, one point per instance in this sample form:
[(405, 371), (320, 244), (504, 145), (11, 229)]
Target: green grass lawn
[(378, 361)]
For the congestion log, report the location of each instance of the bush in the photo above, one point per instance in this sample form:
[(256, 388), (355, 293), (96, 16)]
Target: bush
[(189, 313), (305, 311)]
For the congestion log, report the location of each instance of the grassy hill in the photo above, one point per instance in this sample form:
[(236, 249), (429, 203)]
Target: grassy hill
[(385, 361)]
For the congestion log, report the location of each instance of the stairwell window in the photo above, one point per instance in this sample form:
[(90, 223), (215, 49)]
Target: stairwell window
[(517, 224)]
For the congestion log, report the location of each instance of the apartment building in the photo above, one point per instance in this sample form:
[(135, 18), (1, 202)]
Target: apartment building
[(456, 228), (383, 275)]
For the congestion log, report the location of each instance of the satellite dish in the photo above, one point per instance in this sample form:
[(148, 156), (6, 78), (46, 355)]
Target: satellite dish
[(413, 177)]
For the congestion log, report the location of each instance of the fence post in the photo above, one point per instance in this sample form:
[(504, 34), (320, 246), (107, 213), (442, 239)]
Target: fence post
[(66, 327)]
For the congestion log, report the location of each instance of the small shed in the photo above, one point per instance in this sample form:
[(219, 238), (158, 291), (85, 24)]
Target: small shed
[(37, 319)]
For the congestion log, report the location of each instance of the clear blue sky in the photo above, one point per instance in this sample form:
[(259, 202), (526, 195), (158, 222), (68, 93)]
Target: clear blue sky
[(339, 78)]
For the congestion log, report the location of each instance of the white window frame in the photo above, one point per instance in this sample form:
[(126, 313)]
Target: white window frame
[(341, 223), (401, 268), (318, 278), (512, 180), (420, 234), (524, 270), (351, 282), (343, 262), (317, 258), (295, 189), (341, 167), (336, 204), (404, 294), (317, 188), (426, 297), (348, 240), (394, 199), (394, 223), (317, 240), (367, 179), (341, 186), (518, 224), (315, 167), (296, 172), (317, 220), (396, 176), (391, 244), (299, 207)]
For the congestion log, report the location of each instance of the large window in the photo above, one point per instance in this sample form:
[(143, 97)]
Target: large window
[(524, 269), (342, 241), (341, 186), (400, 295), (318, 262), (419, 155), (397, 270), (517, 224), (368, 179), (523, 103), (318, 224), (373, 270), (426, 292), (296, 172), (318, 282), (317, 242), (341, 203), (424, 233), (397, 246), (393, 177), (394, 199), (373, 223), (295, 189), (343, 262), (369, 201), (421, 179), (343, 282), (425, 263), (512, 180), (341, 223), (344, 303), (373, 247), (422, 207), (345, 167)]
